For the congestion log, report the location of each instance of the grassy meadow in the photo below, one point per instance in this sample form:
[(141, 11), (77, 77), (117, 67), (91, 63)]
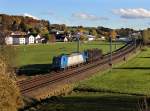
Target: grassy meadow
[(37, 59), (43, 53), (132, 77), (122, 89)]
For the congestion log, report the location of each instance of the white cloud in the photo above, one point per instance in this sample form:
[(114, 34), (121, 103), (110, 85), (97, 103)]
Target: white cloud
[(138, 13), (29, 15), (86, 16)]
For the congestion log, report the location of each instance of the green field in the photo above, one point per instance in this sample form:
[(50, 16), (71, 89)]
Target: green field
[(120, 90), (132, 77), (43, 54)]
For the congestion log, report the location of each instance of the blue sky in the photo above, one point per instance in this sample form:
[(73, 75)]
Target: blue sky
[(108, 13)]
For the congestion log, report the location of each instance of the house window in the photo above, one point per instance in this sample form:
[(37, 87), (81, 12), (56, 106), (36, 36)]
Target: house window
[(22, 40)]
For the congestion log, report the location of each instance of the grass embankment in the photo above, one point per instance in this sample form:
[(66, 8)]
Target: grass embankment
[(132, 77), (91, 102), (43, 54), (95, 94)]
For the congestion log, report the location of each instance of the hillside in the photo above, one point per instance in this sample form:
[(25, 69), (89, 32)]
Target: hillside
[(21, 23), (9, 23)]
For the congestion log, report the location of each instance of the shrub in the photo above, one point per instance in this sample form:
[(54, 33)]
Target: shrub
[(10, 99)]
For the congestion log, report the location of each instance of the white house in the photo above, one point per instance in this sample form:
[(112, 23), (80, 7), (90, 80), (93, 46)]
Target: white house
[(31, 39), (102, 38), (22, 40), (9, 40), (91, 37), (38, 39), (16, 38), (65, 39)]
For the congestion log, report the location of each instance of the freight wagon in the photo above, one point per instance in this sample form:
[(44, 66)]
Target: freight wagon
[(93, 55)]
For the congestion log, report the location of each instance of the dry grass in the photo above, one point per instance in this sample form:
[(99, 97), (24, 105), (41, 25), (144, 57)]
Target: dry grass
[(10, 99)]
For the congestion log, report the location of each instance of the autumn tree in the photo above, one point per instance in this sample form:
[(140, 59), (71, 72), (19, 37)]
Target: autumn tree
[(72, 30), (61, 27), (113, 34), (106, 34), (44, 31), (52, 38), (93, 32), (25, 27), (146, 36), (83, 38), (10, 98), (124, 31), (80, 29)]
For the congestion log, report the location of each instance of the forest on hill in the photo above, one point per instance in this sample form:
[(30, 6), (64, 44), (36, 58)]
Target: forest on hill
[(22, 23)]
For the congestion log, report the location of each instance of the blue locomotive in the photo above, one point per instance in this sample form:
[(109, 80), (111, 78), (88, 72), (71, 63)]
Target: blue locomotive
[(64, 61)]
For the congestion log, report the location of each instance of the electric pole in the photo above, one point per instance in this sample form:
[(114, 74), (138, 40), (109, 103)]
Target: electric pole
[(78, 42), (110, 62)]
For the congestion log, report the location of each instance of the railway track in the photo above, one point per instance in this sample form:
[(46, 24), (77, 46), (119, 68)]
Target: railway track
[(27, 86)]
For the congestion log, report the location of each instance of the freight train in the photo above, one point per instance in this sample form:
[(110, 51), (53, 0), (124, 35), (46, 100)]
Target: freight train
[(65, 61)]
